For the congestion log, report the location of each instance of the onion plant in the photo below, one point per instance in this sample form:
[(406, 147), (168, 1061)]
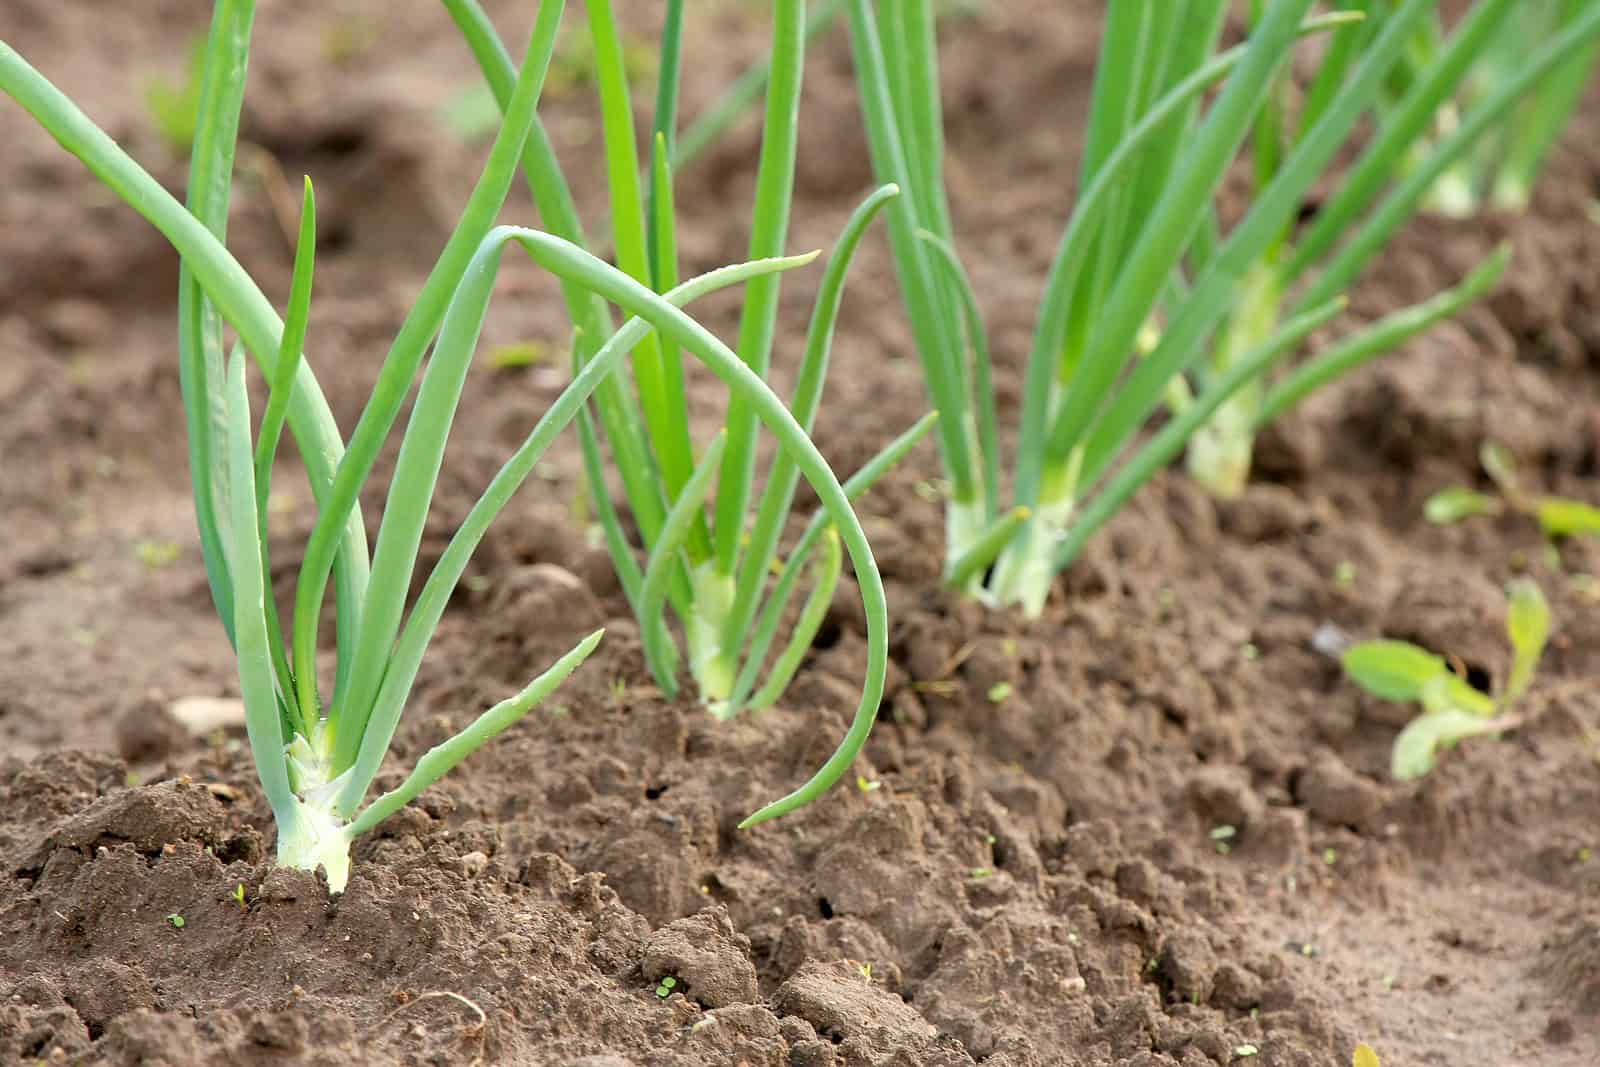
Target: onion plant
[(1144, 276), (1503, 167), (1296, 271), (705, 559), (318, 757)]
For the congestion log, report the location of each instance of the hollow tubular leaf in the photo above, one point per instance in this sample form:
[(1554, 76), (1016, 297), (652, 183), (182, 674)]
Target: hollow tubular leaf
[(957, 281), (1104, 501), (665, 410), (778, 497), (1382, 336), (1170, 229), (664, 275), (1533, 137), (296, 317), (769, 232), (629, 576), (457, 338), (262, 723), (665, 128), (559, 256), (659, 650), (1335, 66), (772, 614), (200, 356), (443, 757), (1126, 51), (591, 317), (1055, 306), (358, 682), (806, 627), (235, 295), (891, 162)]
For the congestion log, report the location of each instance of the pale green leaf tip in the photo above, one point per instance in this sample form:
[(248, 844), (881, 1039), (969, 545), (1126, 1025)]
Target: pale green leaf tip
[(756, 819)]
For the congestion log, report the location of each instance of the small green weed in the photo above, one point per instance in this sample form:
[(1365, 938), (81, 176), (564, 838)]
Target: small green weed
[(1557, 516), (1453, 710)]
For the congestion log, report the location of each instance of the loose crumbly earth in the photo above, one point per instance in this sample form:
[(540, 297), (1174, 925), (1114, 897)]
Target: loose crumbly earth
[(1027, 880)]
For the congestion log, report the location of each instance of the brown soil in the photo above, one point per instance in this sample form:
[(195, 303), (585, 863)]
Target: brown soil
[(1028, 881)]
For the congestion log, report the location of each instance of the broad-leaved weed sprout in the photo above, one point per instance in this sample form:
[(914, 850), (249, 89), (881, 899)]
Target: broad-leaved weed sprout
[(1452, 709), (1557, 516)]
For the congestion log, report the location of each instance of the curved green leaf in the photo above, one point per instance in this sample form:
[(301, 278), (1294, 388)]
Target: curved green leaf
[(1566, 518), (1416, 749), (1449, 506), (1393, 670), (1528, 626)]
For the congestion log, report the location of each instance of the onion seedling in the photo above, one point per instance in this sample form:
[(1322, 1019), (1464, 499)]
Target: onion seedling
[(1143, 275), (705, 560), (318, 759), (1453, 709), (1557, 516)]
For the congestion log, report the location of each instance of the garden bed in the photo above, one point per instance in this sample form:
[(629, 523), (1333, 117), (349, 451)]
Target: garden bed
[(1028, 866)]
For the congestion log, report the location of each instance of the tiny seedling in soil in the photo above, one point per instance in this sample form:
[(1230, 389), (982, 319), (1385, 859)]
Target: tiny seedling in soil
[(1453, 710), (1557, 516)]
